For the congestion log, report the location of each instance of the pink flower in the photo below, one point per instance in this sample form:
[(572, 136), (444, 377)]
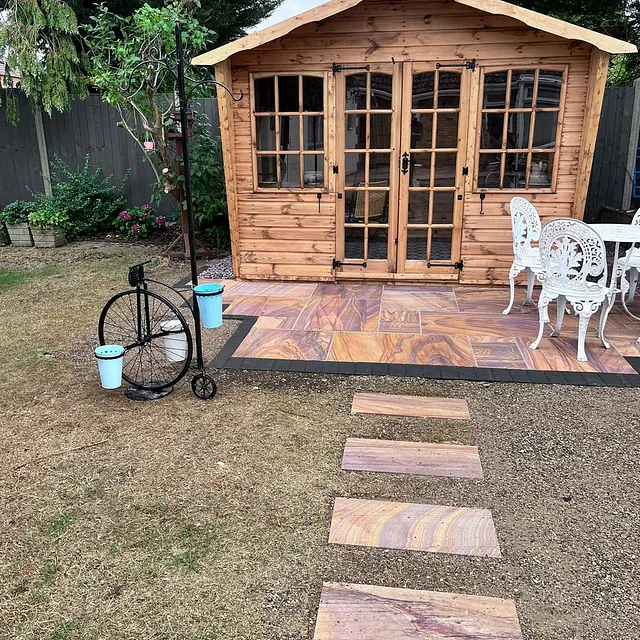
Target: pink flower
[(148, 207), (135, 229), (123, 214), (160, 221), (144, 215)]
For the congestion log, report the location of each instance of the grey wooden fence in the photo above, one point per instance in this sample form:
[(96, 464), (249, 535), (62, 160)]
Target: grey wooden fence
[(89, 127), (615, 152)]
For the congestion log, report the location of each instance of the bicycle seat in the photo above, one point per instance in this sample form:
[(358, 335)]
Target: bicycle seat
[(136, 273)]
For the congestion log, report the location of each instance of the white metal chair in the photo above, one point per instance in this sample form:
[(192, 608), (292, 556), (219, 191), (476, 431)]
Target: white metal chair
[(633, 266), (574, 266), (525, 227)]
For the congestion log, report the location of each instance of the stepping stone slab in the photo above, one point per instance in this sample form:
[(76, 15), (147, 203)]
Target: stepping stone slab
[(412, 406), (363, 612), (417, 458), (418, 527)]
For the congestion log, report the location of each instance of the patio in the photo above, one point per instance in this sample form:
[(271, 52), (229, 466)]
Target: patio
[(426, 331)]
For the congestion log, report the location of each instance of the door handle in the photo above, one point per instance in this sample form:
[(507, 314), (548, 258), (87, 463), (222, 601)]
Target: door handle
[(405, 162)]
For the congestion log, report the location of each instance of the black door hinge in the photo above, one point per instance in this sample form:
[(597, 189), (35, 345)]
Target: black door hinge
[(335, 169), (456, 265), (338, 68), (465, 171), (467, 64), (336, 263)]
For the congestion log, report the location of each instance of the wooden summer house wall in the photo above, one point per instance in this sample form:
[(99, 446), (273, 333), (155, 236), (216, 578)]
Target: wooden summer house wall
[(292, 235)]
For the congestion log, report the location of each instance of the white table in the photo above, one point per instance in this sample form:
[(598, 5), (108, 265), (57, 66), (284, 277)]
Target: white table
[(618, 233)]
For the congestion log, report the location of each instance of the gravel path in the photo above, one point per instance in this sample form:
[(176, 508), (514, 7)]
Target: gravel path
[(219, 270)]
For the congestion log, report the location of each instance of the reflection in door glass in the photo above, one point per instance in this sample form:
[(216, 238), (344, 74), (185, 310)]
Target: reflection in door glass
[(380, 131), (422, 91), (518, 130), (381, 85), (354, 169), (495, 90), (378, 242), (445, 173), (448, 90), (356, 93), (443, 207), (492, 130), (379, 169), (522, 89), (417, 244), (313, 171), (421, 128), (288, 94), (289, 133), (378, 207), (447, 133), (290, 171), (418, 207), (549, 88), (544, 132), (350, 204), (312, 93), (441, 244), (354, 242), (541, 170), (355, 131), (420, 170)]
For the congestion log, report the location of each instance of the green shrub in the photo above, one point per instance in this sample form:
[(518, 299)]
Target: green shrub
[(48, 212), (87, 196), (138, 222), (16, 212)]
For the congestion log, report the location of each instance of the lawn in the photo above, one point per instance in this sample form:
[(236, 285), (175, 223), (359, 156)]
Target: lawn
[(188, 520)]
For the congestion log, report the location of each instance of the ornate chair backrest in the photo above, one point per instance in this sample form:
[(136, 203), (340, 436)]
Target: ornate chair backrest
[(525, 226), (636, 218), (572, 254)]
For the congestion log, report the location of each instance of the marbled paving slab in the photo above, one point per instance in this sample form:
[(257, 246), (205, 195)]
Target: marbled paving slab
[(427, 301), (517, 325), (416, 458), (399, 321), (369, 291), (283, 344), (265, 306), (365, 612), (499, 353), (410, 406), (274, 322), (340, 314), (493, 301), (273, 289), (416, 527), (402, 348)]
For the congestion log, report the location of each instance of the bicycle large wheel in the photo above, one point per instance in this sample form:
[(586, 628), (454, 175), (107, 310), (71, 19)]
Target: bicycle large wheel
[(155, 335)]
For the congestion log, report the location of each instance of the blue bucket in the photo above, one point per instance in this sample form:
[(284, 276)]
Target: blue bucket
[(209, 297), (110, 357)]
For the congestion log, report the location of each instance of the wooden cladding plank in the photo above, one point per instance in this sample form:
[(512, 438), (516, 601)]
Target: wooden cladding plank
[(412, 406), (417, 458), (286, 233), (365, 612), (418, 527), (288, 246), (285, 220), (286, 271), (269, 257)]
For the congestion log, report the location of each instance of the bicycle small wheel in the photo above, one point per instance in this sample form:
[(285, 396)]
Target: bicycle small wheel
[(203, 386), (156, 337)]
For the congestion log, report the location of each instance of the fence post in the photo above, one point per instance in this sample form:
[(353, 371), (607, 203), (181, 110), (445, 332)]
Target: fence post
[(42, 151), (634, 141)]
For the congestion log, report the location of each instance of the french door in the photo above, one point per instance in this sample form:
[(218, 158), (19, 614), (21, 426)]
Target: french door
[(401, 140)]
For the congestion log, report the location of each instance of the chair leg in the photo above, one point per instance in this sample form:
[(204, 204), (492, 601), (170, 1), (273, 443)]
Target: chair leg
[(562, 305), (633, 284), (531, 280), (583, 323), (513, 272), (607, 305), (543, 313)]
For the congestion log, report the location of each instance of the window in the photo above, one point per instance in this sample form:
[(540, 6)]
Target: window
[(288, 131), (519, 129)]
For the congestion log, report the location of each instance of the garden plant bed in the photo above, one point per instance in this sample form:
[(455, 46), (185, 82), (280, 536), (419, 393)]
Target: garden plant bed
[(194, 520)]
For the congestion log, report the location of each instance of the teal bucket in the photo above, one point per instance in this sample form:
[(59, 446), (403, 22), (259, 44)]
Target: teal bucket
[(110, 357), (209, 297)]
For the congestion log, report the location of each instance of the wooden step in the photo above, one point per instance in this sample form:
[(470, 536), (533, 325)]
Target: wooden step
[(417, 458), (419, 527), (364, 612), (412, 406)]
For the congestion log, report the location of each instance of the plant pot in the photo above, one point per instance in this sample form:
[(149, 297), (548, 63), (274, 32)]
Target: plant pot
[(47, 238), (4, 236), (20, 234)]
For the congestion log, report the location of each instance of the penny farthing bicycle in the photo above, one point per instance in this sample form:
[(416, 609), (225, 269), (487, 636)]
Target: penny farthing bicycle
[(155, 334)]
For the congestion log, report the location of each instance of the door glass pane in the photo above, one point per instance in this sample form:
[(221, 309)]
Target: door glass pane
[(288, 95), (265, 97), (422, 91), (312, 94), (290, 171), (381, 90), (289, 133), (354, 243), (489, 171), (549, 87), (448, 90), (351, 201), (420, 170), (445, 172), (441, 244), (421, 127), (443, 202), (541, 170), (418, 207), (314, 171), (544, 133), (380, 131), (522, 89), (491, 134), (518, 130), (495, 89), (447, 134), (266, 133), (354, 169), (417, 244), (355, 134), (313, 132), (515, 168), (379, 169), (267, 172), (378, 207), (378, 243), (356, 91)]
